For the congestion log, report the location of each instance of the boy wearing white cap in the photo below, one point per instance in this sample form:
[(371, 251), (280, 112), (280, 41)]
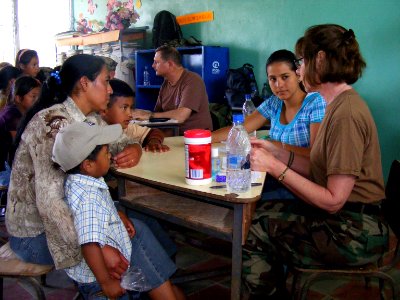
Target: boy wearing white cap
[(81, 150)]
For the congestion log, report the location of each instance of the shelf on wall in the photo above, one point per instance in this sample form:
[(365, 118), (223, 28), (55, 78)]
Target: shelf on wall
[(130, 34)]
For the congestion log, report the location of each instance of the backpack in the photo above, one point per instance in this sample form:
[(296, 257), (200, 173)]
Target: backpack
[(221, 115), (166, 29), (240, 82)]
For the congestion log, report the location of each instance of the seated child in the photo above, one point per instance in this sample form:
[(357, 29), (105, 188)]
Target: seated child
[(119, 111), (81, 150)]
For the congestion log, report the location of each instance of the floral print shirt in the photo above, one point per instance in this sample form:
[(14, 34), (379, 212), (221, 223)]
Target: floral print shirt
[(36, 194)]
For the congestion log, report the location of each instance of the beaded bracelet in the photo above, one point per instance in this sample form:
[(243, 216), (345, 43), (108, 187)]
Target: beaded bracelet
[(290, 162)]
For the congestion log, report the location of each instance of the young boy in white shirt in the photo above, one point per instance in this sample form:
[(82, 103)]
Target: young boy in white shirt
[(119, 111)]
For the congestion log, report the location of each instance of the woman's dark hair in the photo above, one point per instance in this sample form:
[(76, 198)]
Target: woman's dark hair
[(60, 85), (92, 156), (282, 56), (6, 74), (24, 56), (342, 61), (285, 56), (120, 89), (24, 84)]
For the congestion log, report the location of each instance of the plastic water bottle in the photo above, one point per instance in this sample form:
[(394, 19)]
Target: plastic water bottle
[(266, 92), (238, 173), (248, 109), (146, 77), (215, 163), (220, 177)]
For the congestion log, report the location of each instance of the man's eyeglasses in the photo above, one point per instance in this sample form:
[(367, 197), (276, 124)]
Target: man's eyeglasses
[(298, 62)]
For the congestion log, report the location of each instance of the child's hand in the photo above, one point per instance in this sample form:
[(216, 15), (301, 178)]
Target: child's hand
[(128, 224), (112, 288), (156, 146), (115, 262)]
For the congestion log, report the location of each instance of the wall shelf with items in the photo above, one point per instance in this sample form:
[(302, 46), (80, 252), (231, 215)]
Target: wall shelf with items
[(210, 62), (122, 37)]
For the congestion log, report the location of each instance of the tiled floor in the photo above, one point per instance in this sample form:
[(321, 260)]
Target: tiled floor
[(190, 258)]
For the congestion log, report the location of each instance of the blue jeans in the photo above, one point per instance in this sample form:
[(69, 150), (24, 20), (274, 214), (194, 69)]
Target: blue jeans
[(93, 291), (32, 249), (147, 254), (157, 230)]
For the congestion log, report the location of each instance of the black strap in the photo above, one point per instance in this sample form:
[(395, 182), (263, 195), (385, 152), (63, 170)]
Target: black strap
[(366, 208)]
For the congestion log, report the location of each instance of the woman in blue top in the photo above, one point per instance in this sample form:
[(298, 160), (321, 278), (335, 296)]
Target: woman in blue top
[(293, 114)]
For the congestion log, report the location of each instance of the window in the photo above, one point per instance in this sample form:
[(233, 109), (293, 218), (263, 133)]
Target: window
[(37, 28)]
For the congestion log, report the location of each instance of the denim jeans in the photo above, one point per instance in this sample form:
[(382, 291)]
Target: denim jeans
[(157, 230), (147, 254), (32, 249), (93, 291)]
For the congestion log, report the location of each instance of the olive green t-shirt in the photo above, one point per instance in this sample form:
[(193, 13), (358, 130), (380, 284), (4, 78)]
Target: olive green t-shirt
[(347, 144)]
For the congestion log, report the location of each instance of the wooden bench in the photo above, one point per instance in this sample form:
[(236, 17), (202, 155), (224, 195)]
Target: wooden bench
[(11, 266)]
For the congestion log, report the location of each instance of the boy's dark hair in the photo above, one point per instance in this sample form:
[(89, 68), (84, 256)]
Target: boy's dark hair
[(120, 89), (92, 156)]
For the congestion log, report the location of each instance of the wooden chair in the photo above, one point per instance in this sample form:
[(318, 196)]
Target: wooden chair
[(378, 269), (11, 266)]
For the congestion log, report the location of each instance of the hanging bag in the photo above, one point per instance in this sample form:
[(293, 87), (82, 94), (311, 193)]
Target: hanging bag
[(166, 29)]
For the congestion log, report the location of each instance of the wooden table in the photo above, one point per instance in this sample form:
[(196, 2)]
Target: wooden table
[(156, 186)]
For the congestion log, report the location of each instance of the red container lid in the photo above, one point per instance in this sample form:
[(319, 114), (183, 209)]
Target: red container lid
[(197, 133)]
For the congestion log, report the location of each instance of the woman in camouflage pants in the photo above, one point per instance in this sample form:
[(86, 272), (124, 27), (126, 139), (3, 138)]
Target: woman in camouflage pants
[(336, 219)]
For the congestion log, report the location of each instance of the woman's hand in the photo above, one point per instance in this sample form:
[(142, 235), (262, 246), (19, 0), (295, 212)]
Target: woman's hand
[(116, 263), (155, 146), (129, 157), (267, 145), (261, 159), (128, 224)]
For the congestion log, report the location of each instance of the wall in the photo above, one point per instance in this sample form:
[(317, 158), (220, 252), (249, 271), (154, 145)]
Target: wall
[(254, 29)]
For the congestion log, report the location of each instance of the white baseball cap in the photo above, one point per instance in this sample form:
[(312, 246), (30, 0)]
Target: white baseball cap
[(75, 142)]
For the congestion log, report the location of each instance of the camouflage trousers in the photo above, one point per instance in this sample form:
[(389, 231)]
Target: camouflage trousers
[(290, 232)]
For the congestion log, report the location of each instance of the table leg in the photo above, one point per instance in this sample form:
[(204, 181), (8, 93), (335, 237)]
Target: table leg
[(121, 187), (236, 251)]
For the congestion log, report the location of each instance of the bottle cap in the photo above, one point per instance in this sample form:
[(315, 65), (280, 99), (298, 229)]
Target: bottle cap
[(197, 133), (237, 119), (214, 152)]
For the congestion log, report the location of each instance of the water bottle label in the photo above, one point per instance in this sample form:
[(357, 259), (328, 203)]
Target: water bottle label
[(238, 162), (220, 178)]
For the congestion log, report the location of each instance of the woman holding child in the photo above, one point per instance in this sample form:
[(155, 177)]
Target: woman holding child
[(337, 220), (38, 219)]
